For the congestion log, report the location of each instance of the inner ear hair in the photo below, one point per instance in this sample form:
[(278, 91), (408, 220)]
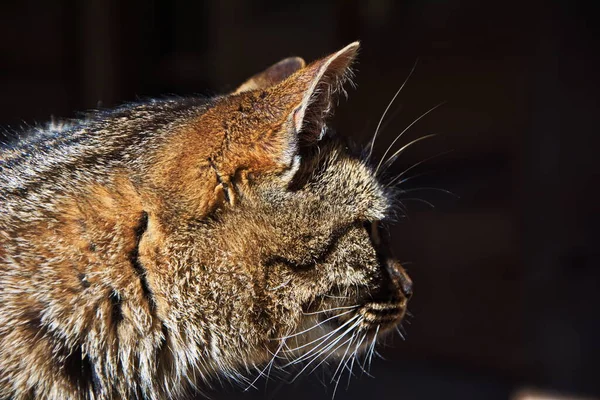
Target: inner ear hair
[(288, 175), (272, 75), (327, 78)]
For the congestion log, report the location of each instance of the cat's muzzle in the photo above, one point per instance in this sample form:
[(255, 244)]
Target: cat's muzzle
[(387, 307)]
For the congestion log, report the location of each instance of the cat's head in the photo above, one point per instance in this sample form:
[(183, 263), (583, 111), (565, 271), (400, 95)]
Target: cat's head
[(271, 225)]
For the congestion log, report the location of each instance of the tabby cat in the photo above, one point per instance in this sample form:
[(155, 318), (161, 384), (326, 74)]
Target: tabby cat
[(148, 249)]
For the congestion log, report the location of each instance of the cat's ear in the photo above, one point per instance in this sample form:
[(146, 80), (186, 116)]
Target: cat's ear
[(272, 75), (312, 91), (261, 130)]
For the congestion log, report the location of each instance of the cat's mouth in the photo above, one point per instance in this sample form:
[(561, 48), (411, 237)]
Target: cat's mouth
[(373, 314), (383, 315), (370, 318)]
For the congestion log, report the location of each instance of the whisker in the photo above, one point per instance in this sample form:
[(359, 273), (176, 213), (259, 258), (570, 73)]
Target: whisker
[(322, 339), (372, 352), (402, 207), (419, 200), (281, 346), (322, 361), (394, 156), (354, 357), (342, 359), (314, 326), (372, 348), (330, 353), (416, 165), (400, 333), (340, 376), (327, 347), (345, 366), (391, 118), (372, 143), (415, 176), (331, 309), (316, 357), (383, 127), (363, 370), (404, 131), (330, 345), (430, 188)]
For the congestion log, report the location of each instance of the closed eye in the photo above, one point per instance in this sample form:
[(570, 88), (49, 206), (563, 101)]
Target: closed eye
[(372, 229)]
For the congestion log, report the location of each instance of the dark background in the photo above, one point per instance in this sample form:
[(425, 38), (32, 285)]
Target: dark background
[(506, 276)]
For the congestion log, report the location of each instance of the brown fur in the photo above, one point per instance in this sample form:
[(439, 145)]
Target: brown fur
[(154, 247)]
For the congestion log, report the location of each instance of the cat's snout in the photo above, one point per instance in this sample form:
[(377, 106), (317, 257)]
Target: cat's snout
[(400, 277)]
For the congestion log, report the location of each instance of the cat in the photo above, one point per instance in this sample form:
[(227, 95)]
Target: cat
[(147, 250)]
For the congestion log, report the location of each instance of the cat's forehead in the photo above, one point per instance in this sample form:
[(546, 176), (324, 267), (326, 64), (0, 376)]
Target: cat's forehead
[(334, 180), (348, 179)]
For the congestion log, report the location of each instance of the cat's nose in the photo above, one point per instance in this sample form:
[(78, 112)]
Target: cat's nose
[(400, 277), (406, 284)]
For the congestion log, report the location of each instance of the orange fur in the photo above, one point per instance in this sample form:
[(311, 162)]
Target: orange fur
[(161, 244)]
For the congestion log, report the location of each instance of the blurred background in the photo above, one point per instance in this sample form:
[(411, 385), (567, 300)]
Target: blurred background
[(507, 281)]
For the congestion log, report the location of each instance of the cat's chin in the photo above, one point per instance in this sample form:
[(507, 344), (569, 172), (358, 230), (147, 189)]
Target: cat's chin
[(337, 342)]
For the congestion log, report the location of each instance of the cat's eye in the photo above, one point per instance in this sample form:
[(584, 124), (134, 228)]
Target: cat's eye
[(373, 229)]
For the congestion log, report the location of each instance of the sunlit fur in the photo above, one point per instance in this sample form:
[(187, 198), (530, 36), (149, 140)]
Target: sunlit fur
[(151, 250)]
